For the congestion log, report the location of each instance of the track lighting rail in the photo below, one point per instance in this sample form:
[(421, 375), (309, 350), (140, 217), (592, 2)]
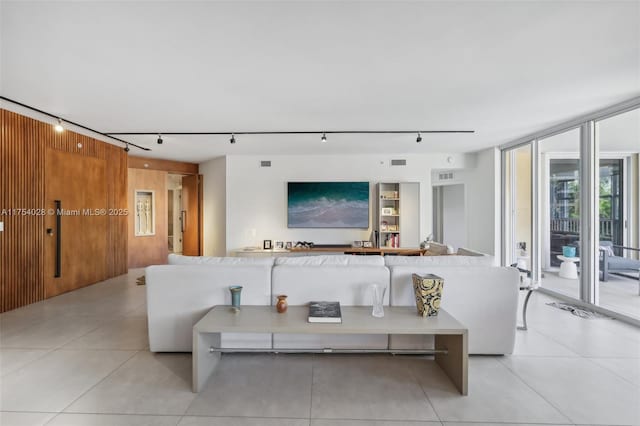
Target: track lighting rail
[(60, 120), (313, 132)]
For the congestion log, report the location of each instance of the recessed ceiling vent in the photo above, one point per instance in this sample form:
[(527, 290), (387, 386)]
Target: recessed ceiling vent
[(398, 162), (445, 176), (265, 163)]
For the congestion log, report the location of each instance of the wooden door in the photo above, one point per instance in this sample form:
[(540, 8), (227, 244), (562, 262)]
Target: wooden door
[(78, 184), (191, 215)]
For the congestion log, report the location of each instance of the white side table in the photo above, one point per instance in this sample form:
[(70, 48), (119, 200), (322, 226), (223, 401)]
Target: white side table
[(568, 268)]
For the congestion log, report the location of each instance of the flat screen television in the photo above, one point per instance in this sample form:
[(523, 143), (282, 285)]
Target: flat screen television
[(328, 205)]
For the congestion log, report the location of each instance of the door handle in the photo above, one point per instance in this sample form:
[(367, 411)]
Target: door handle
[(183, 219), (58, 234)]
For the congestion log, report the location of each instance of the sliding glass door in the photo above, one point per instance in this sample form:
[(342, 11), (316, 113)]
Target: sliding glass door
[(618, 286), (571, 210), (559, 173)]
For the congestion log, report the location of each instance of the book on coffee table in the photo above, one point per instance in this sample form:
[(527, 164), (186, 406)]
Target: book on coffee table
[(327, 312)]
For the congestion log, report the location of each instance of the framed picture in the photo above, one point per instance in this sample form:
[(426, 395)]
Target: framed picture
[(266, 244), (387, 211), (357, 244), (279, 245), (289, 245), (367, 244)]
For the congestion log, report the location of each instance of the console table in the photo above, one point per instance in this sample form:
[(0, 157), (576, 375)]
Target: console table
[(451, 337), (297, 251)]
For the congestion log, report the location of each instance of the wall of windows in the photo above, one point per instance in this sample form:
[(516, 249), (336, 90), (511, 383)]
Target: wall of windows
[(571, 193)]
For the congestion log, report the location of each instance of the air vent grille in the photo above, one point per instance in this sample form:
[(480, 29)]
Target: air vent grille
[(445, 176), (398, 162), (265, 163)]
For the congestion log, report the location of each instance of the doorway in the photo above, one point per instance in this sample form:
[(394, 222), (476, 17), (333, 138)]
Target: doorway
[(449, 216), (174, 216)]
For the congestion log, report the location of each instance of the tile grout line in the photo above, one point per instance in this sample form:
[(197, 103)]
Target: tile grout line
[(620, 337), (46, 352), (516, 375), (96, 384), (591, 360), (424, 392)]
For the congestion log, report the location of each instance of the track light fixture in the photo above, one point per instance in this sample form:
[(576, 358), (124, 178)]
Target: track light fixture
[(58, 127), (233, 139), (126, 148), (160, 139), (419, 138), (324, 137)]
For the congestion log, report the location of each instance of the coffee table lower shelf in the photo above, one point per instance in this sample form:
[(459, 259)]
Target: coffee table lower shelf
[(451, 337)]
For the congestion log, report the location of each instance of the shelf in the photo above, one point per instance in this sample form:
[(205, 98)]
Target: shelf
[(389, 199), (389, 232), (390, 215)]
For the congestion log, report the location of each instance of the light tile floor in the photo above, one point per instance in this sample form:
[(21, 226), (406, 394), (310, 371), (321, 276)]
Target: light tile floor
[(619, 294), (82, 359)]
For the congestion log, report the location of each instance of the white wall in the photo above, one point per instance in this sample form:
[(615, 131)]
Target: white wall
[(256, 197), (454, 216), (214, 174), (483, 202)]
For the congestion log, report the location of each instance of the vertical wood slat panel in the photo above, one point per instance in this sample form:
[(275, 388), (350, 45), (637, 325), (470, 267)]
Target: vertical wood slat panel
[(117, 202), (23, 143), (21, 185)]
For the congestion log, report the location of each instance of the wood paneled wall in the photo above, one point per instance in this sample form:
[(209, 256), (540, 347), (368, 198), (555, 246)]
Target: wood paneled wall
[(149, 249), (152, 174), (24, 146), (21, 187)]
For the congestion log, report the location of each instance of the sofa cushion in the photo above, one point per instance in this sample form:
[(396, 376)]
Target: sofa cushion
[(176, 259), (178, 296), (483, 298), (333, 260), (437, 248), (462, 251)]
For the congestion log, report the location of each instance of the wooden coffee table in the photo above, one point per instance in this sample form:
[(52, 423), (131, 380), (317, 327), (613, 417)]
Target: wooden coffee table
[(451, 337)]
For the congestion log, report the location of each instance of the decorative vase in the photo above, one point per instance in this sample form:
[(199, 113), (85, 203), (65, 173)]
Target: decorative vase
[(282, 305), (428, 292), (235, 290), (377, 294)]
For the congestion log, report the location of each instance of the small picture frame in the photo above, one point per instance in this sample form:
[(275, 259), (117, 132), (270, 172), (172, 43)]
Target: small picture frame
[(279, 245), (289, 245), (367, 244), (387, 211), (357, 244), (266, 244)]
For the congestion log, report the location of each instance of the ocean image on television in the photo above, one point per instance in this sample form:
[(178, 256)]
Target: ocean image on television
[(328, 205)]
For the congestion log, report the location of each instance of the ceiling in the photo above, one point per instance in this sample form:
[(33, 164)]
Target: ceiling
[(503, 69)]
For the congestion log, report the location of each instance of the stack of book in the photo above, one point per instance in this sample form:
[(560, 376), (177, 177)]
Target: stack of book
[(326, 312)]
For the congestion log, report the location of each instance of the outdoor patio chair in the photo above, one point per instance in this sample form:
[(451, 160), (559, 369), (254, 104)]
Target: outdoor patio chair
[(610, 263), (619, 265)]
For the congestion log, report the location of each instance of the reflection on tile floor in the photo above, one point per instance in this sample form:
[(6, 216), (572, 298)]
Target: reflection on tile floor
[(82, 359)]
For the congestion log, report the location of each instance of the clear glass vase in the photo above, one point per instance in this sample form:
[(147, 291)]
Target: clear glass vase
[(377, 294)]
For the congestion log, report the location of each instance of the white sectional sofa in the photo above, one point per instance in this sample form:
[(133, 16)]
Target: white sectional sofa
[(481, 296)]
